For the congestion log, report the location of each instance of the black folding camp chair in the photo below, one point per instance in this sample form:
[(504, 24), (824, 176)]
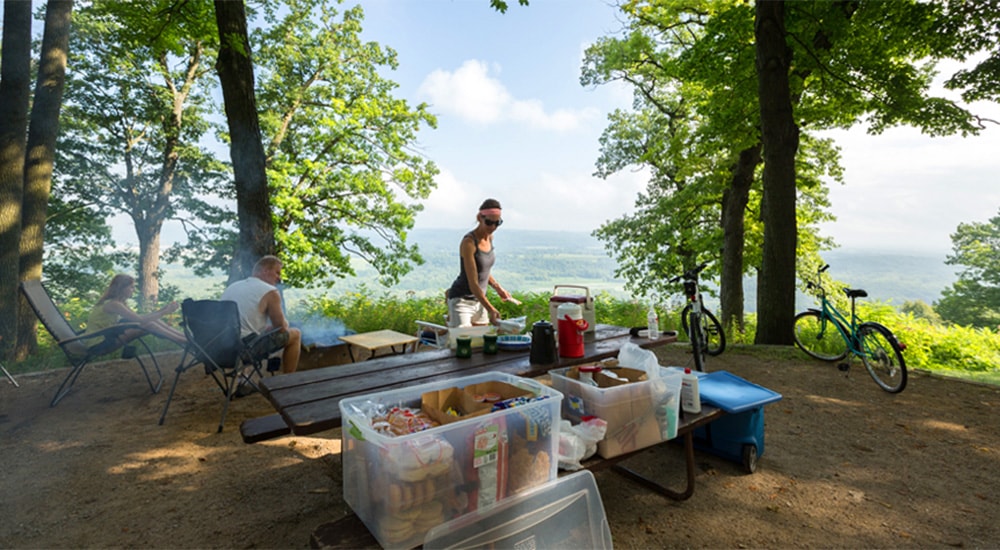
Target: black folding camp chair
[(81, 349), (212, 328)]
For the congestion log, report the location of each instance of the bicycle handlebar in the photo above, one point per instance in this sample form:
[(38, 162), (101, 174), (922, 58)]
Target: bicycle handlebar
[(691, 274)]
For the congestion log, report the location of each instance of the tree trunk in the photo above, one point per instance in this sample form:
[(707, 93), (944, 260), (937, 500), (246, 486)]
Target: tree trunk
[(148, 232), (734, 204), (15, 93), (42, 132), (776, 283), (253, 207)]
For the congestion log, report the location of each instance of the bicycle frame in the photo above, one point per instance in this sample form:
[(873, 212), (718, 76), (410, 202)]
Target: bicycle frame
[(830, 313)]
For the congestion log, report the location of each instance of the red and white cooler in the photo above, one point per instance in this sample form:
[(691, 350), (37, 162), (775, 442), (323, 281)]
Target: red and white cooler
[(585, 301)]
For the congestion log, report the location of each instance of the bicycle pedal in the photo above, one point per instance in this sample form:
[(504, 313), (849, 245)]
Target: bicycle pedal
[(843, 367)]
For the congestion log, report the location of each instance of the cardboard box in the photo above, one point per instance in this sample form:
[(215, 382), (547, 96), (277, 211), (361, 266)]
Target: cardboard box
[(639, 413), (401, 487), (450, 405)]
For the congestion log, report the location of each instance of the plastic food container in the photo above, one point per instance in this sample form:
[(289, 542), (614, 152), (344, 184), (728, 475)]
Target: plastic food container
[(639, 414), (402, 486)]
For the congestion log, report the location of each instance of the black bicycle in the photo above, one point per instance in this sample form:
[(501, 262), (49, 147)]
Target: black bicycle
[(707, 338)]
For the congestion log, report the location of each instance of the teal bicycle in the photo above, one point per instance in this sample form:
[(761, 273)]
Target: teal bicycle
[(829, 335)]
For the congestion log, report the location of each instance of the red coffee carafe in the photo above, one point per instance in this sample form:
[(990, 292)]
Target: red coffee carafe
[(571, 328)]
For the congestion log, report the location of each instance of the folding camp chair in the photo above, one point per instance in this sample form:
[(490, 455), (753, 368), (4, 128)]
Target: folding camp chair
[(81, 349), (212, 328)]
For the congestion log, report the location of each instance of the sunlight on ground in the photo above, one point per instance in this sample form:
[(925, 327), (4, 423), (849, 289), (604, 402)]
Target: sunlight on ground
[(309, 447), (56, 446), (946, 426)]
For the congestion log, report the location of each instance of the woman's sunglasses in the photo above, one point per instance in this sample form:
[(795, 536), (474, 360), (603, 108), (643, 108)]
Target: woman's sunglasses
[(493, 223)]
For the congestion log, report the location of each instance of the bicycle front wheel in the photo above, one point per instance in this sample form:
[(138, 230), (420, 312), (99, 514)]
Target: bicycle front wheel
[(819, 337), (713, 338), (883, 357)]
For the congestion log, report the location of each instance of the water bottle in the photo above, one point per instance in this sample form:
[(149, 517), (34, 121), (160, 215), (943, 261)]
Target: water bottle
[(652, 323)]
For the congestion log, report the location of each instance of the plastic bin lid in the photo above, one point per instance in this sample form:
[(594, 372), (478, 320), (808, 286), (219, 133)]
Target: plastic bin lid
[(732, 393), (565, 513)]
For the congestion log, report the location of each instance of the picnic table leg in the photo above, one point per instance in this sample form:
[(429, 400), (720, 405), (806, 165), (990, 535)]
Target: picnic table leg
[(660, 488)]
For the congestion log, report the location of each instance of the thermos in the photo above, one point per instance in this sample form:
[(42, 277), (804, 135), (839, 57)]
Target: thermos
[(543, 343), (571, 328)]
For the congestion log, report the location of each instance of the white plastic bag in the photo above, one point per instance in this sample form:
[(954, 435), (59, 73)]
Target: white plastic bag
[(634, 357), (578, 443)]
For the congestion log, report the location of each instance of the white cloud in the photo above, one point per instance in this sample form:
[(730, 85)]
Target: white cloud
[(474, 94), (910, 191), (569, 201)]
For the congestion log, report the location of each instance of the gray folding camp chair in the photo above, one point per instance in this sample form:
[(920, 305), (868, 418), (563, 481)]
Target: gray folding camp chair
[(81, 349), (212, 328)]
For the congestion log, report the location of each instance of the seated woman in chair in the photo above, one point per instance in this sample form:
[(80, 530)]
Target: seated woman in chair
[(111, 309)]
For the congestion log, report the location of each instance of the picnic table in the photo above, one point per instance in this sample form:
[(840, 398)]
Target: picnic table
[(308, 402)]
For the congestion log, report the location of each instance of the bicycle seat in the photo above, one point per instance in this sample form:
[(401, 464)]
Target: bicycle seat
[(855, 293)]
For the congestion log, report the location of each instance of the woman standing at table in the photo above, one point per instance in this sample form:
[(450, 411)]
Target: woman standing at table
[(468, 304)]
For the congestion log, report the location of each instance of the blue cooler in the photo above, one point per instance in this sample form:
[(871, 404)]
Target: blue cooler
[(739, 434)]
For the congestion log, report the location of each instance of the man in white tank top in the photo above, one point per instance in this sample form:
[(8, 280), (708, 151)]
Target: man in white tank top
[(259, 304)]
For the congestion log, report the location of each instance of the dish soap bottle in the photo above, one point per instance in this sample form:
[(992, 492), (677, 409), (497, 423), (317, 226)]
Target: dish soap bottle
[(690, 396), (652, 323)]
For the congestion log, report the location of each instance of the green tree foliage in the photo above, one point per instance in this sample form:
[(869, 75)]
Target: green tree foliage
[(344, 175), (920, 309), (694, 62), (975, 298), (136, 105)]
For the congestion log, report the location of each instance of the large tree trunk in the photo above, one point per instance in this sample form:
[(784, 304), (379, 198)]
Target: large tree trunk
[(734, 204), (42, 132), (15, 93), (776, 284), (253, 207), (148, 232)]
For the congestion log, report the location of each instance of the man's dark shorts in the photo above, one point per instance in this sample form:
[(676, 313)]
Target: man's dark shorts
[(262, 345)]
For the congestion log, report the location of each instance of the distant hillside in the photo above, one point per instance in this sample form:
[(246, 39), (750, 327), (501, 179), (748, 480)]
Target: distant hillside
[(536, 261)]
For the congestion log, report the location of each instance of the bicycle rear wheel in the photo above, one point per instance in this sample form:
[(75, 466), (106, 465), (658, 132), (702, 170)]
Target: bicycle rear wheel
[(883, 357), (713, 337), (819, 337)]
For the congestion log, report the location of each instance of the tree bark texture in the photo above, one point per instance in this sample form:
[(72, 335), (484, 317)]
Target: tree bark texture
[(42, 132), (734, 204), (776, 282), (253, 207), (15, 93)]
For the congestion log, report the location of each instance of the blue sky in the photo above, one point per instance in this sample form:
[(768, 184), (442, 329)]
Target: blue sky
[(515, 123)]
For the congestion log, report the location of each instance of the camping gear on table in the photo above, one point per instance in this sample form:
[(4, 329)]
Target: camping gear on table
[(494, 435), (543, 343), (572, 325), (585, 301)]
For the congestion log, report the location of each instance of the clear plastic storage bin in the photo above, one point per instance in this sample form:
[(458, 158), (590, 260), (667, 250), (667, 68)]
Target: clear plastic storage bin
[(639, 414), (402, 486), (567, 513)]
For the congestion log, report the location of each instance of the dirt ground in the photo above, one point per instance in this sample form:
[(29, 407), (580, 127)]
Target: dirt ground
[(845, 466)]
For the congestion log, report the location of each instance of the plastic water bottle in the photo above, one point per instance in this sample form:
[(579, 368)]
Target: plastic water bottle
[(690, 396), (652, 323)]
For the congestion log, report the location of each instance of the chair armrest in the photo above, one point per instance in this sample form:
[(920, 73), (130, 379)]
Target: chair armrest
[(424, 325), (114, 330)]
